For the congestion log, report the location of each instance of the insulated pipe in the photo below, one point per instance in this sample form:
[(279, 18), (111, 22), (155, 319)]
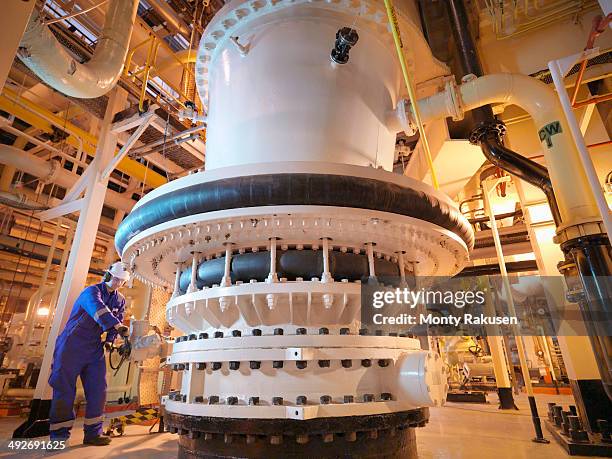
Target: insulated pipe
[(52, 171), (53, 64), (574, 196), (173, 22)]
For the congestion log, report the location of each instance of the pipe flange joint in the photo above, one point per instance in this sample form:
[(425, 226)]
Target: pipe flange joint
[(486, 128), (454, 102)]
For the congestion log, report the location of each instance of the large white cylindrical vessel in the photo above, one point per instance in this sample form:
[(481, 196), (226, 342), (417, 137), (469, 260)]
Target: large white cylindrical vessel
[(265, 251)]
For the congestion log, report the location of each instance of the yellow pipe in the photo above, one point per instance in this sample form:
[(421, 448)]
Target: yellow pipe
[(28, 111), (410, 86)]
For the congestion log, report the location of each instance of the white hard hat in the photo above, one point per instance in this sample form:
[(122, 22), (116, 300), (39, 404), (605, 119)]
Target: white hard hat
[(119, 270)]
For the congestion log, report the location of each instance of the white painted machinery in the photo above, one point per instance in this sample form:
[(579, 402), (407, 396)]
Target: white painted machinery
[(265, 252)]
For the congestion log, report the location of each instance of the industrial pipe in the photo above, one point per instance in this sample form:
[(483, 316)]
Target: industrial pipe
[(574, 196), (169, 16), (47, 58), (51, 171), (489, 137)]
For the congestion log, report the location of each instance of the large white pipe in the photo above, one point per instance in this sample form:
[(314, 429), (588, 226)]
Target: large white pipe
[(52, 171), (575, 197), (48, 59)]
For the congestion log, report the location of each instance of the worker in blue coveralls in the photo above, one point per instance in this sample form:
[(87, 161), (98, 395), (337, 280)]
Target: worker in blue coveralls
[(79, 351)]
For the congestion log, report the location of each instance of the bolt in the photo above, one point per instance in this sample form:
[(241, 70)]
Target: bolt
[(366, 362), (184, 398), (234, 365), (324, 363), (250, 439), (351, 436), (363, 331), (216, 366), (203, 336), (279, 331), (373, 434), (257, 332), (187, 366), (392, 334), (383, 363), (300, 331), (301, 364), (379, 332), (403, 335), (346, 363), (254, 365), (277, 400), (253, 400), (276, 439), (301, 400), (198, 399), (232, 400), (385, 396), (345, 331), (201, 366), (208, 436), (213, 399), (302, 439), (218, 334), (368, 397), (228, 438), (325, 399), (323, 331), (192, 337), (328, 438), (193, 434), (181, 366), (349, 399), (277, 364), (236, 333)]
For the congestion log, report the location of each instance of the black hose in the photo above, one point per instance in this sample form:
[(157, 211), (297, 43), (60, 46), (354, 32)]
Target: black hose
[(489, 137)]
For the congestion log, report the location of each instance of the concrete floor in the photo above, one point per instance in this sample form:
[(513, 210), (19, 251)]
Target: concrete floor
[(456, 431)]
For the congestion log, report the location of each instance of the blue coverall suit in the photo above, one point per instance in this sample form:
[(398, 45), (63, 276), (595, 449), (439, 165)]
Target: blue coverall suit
[(79, 351)]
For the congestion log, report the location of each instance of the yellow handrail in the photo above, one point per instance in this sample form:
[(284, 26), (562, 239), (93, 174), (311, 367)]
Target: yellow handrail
[(410, 86)]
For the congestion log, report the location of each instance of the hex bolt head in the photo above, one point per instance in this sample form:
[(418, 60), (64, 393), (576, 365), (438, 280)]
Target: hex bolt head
[(301, 364), (363, 331), (216, 366), (277, 401), (254, 364), (325, 399), (279, 331), (232, 400), (218, 334), (301, 400), (351, 436), (257, 332), (328, 438), (323, 331), (213, 399), (228, 438), (192, 337), (203, 336), (349, 399), (383, 363), (345, 331), (368, 397), (277, 364), (276, 439), (253, 400), (392, 334), (403, 335), (181, 366), (346, 363), (379, 332), (184, 398), (300, 331), (234, 365), (175, 367), (236, 333), (324, 363), (366, 362), (199, 399), (385, 396), (201, 366), (187, 366)]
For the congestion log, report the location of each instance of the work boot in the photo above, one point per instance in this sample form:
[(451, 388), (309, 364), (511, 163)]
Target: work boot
[(97, 441)]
